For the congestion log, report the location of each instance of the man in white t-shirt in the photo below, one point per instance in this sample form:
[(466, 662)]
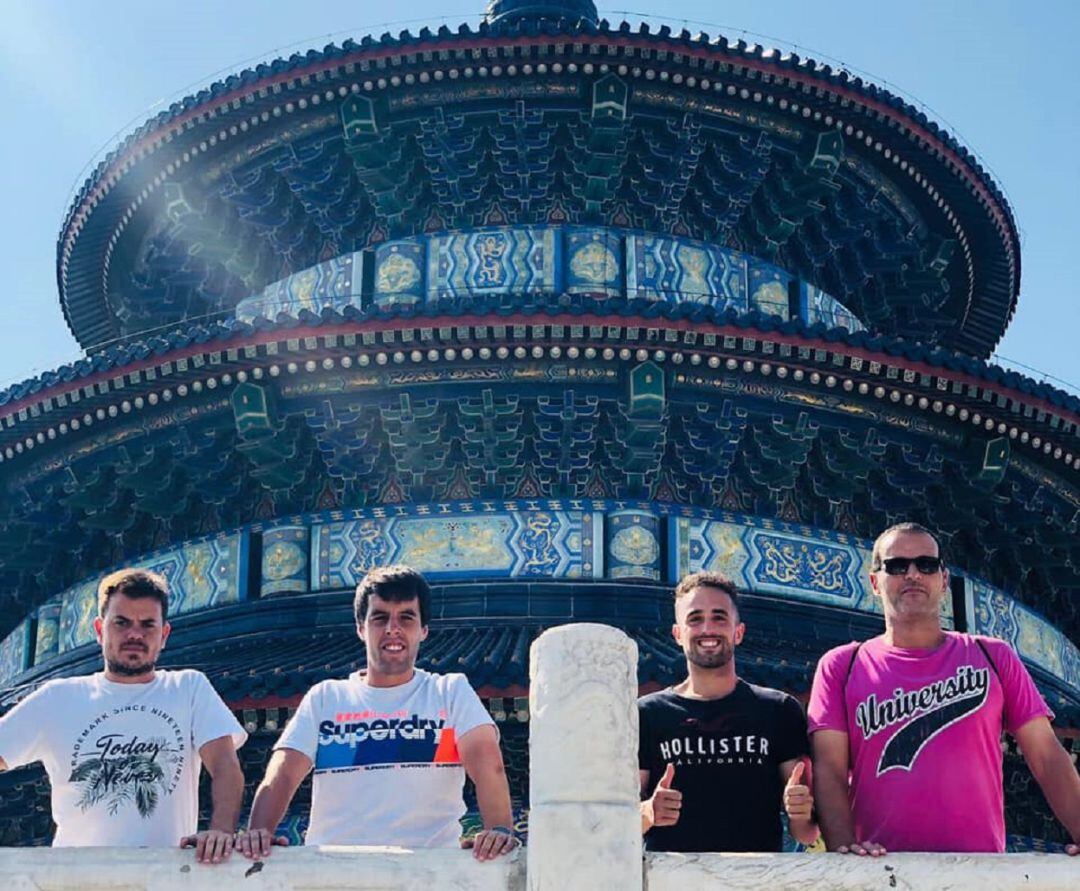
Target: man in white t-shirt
[(123, 747), (391, 745)]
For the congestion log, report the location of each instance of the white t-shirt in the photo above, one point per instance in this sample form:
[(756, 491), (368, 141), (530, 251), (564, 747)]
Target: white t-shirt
[(387, 769), (123, 759)]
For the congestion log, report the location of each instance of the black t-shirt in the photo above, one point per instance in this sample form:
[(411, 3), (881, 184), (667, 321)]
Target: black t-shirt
[(727, 755)]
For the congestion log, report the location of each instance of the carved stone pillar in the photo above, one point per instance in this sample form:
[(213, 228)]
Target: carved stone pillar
[(584, 822)]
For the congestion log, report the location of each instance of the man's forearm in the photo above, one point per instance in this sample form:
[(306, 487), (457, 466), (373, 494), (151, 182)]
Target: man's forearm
[(493, 796), (805, 832), (227, 797), (268, 808), (1060, 783), (833, 808)]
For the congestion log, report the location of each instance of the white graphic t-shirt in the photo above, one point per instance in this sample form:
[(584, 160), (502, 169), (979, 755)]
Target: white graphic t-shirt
[(123, 759), (387, 769)]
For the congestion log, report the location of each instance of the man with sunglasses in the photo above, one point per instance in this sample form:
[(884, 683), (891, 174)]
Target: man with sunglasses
[(914, 718)]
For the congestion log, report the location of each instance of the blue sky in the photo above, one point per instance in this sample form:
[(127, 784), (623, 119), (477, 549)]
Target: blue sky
[(76, 75)]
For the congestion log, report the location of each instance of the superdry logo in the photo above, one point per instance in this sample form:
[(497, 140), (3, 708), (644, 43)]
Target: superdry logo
[(927, 711), (412, 728)]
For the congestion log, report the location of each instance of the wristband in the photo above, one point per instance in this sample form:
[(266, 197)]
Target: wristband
[(505, 830)]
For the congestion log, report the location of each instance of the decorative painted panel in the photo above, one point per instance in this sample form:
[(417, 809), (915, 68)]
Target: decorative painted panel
[(695, 545), (399, 275), (817, 306), (998, 615), (768, 287), (78, 606), (334, 283), (542, 544), (47, 643), (633, 545), (798, 566), (776, 562), (200, 574), (285, 560), (680, 270), (594, 262), (548, 260), (15, 651), (493, 261), (787, 561), (575, 538)]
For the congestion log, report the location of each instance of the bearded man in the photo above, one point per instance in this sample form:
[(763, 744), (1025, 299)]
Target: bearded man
[(718, 756), (124, 747)]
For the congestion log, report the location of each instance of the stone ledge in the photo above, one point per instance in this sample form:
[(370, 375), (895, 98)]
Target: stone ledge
[(836, 872), (310, 869)]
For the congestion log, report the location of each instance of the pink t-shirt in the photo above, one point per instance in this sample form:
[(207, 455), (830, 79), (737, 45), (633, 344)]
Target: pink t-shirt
[(924, 730)]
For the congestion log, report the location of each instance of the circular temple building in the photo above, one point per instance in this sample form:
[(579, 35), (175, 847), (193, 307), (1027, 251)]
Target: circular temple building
[(556, 311)]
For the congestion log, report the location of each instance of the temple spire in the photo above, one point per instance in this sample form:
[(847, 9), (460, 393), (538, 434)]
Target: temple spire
[(567, 11)]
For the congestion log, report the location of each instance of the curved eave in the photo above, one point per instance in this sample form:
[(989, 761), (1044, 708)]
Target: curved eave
[(91, 228), (31, 396)]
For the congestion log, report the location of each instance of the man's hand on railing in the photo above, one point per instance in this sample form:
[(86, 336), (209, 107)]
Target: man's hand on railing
[(256, 843), (488, 844), (863, 849), (211, 845)]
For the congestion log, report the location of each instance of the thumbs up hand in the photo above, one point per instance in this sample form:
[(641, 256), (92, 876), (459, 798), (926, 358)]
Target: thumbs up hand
[(663, 806), (798, 802), (668, 778)]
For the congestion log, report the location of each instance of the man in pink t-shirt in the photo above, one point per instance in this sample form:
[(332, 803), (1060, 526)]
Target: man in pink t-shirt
[(906, 727)]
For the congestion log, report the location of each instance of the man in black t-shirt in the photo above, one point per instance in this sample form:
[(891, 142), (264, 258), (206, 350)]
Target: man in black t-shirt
[(719, 756)]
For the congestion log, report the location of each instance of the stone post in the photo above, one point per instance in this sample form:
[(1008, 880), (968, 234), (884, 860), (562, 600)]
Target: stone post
[(584, 822)]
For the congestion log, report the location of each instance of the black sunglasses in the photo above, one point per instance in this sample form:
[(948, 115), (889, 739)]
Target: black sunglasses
[(900, 565)]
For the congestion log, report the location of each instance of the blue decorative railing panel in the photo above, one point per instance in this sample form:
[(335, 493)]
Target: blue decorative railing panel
[(764, 556), (201, 574), (540, 544), (15, 652), (997, 614), (532, 539), (285, 560), (47, 643), (501, 261)]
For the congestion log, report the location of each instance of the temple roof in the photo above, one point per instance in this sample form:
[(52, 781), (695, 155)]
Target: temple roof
[(533, 121)]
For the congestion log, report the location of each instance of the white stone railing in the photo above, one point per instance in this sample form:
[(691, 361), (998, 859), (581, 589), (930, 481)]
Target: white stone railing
[(310, 869), (839, 872), (584, 829), (367, 869)]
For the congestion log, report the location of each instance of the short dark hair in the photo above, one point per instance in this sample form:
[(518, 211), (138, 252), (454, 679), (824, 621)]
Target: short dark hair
[(707, 579), (135, 583), (909, 526), (394, 583)]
